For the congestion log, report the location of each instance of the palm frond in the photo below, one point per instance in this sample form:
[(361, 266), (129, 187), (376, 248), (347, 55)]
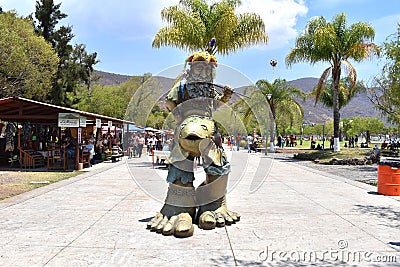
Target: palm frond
[(192, 23), (322, 81), (351, 73)]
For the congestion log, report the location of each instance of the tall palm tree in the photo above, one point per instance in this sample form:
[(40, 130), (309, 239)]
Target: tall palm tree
[(335, 43), (283, 102), (193, 23)]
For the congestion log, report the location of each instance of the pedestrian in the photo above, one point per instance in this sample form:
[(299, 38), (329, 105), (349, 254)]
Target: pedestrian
[(141, 142), (249, 140), (90, 148), (331, 141), (238, 139)]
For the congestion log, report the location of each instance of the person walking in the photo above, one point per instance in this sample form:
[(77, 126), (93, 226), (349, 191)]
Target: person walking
[(140, 145), (238, 139), (249, 140)]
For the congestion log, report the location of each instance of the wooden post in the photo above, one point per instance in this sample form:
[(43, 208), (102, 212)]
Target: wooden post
[(76, 155), (19, 146)]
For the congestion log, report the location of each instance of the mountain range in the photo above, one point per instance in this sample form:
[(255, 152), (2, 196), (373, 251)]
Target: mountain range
[(360, 105)]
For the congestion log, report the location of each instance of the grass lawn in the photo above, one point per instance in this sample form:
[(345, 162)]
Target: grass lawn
[(327, 155), (16, 182)]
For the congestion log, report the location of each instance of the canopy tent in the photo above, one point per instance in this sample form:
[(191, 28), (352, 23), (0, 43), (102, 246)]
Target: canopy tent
[(149, 129), (134, 128)]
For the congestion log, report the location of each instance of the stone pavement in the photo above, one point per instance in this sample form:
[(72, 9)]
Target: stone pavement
[(291, 216)]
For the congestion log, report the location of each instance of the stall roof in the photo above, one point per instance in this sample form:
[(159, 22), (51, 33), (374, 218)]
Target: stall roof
[(18, 109)]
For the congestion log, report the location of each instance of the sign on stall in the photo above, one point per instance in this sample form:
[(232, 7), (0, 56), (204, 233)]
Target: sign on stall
[(82, 121), (79, 135), (98, 123), (68, 120), (109, 124)]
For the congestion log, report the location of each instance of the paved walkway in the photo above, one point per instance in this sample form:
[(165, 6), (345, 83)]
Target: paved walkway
[(291, 216)]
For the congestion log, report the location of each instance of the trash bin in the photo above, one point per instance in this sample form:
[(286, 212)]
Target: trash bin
[(389, 176)]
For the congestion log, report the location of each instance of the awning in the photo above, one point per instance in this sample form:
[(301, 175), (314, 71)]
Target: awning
[(134, 128), (18, 109)]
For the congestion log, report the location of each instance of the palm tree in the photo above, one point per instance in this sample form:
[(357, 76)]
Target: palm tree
[(193, 23), (334, 43), (283, 103), (345, 93)]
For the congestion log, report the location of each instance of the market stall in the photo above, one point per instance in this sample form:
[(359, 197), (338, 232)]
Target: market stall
[(45, 135)]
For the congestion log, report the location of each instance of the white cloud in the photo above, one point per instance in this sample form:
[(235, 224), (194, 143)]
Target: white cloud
[(123, 18), (141, 19), (280, 18)]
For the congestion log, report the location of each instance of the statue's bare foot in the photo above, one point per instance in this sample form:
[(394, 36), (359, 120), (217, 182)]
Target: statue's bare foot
[(178, 225), (175, 217), (210, 217)]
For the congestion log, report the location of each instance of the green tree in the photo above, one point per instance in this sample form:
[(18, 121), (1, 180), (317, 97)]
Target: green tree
[(106, 100), (76, 65), (27, 62), (286, 110), (334, 42), (357, 125), (48, 15), (385, 92), (193, 23), (157, 117), (345, 93)]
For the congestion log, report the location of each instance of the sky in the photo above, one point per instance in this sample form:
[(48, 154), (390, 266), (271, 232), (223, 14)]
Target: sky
[(121, 32)]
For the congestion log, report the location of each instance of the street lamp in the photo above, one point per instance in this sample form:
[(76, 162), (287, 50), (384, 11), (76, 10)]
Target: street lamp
[(269, 97), (323, 135)]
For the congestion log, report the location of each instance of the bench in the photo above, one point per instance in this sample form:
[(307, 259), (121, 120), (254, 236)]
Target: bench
[(160, 155), (115, 154), (85, 159), (116, 157), (260, 149)]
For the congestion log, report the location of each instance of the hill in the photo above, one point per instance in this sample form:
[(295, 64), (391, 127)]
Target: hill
[(358, 106), (107, 78)]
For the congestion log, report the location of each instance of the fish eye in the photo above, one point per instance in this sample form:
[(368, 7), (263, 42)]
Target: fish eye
[(204, 127)]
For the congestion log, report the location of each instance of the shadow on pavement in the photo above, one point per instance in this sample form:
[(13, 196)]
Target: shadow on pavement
[(146, 219), (386, 213)]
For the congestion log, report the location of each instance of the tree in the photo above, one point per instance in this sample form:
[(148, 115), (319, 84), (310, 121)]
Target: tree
[(48, 16), (335, 43), (193, 23), (285, 108), (284, 105), (27, 62), (76, 65), (157, 117), (110, 101), (345, 93), (364, 126), (385, 92)]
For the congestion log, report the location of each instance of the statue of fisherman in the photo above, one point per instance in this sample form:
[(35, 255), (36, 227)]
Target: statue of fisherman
[(192, 100)]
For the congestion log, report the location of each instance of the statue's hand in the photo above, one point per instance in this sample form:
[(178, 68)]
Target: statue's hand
[(228, 90)]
